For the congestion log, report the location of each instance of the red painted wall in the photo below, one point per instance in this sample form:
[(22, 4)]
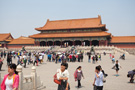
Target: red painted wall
[(17, 46), (124, 45)]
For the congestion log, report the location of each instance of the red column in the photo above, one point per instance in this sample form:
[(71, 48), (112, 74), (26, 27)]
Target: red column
[(46, 43), (73, 43), (61, 43), (82, 43), (99, 42), (5, 45), (35, 43), (106, 42), (38, 43), (53, 43), (90, 43)]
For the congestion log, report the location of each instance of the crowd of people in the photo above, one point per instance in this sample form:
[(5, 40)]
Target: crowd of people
[(24, 58)]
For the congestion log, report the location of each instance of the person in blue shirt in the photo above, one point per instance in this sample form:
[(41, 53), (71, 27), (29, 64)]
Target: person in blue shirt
[(98, 81)]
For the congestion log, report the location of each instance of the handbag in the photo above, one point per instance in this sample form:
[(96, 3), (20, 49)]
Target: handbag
[(56, 80)]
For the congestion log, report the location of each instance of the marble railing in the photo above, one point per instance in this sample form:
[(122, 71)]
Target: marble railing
[(28, 82), (102, 49)]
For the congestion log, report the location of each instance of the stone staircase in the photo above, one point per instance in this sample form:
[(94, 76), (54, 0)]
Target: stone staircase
[(102, 49), (130, 50)]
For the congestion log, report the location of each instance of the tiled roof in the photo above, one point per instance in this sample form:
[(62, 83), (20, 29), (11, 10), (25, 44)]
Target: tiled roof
[(22, 40), (73, 24), (5, 36), (70, 34), (123, 39)]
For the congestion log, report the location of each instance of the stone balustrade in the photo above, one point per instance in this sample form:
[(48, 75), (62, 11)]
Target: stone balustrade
[(28, 82), (102, 49)]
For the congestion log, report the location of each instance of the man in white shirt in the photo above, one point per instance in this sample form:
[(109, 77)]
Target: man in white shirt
[(98, 81)]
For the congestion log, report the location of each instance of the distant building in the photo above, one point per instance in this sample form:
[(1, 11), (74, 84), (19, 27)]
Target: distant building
[(86, 32), (123, 41), (20, 42), (5, 38), (83, 32)]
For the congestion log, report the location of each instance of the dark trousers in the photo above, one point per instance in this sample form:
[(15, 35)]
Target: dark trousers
[(79, 83), (98, 87), (0, 66), (25, 65), (34, 63)]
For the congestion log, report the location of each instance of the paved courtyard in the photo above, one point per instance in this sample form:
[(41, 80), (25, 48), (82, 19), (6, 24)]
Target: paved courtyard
[(48, 69)]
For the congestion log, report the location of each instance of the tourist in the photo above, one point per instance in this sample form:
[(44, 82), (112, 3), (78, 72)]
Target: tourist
[(89, 58), (96, 57), (54, 57), (70, 57), (99, 56), (117, 67), (57, 58), (24, 60), (1, 54), (1, 63), (113, 60), (110, 56), (35, 60), (11, 80), (131, 75), (29, 59), (74, 58), (105, 75), (63, 76), (9, 59), (18, 60), (98, 81), (81, 57), (93, 58), (104, 53), (122, 57), (4, 54), (49, 57), (78, 74)]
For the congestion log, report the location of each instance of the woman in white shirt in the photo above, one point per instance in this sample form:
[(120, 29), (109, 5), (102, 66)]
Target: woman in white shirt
[(63, 75)]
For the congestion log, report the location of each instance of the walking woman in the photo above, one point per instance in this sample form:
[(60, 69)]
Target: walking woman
[(78, 74), (11, 80), (8, 59), (1, 62), (63, 76)]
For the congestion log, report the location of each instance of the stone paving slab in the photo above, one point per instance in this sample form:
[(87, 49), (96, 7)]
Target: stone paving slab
[(48, 69)]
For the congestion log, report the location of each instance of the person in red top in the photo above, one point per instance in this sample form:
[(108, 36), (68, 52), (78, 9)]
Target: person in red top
[(70, 57), (1, 62), (11, 80)]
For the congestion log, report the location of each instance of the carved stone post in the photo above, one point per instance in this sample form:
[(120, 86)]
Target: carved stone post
[(20, 73), (34, 78)]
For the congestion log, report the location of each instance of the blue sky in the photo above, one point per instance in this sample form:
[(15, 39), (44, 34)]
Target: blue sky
[(20, 17)]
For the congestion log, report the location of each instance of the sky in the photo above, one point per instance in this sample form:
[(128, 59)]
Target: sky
[(21, 17)]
